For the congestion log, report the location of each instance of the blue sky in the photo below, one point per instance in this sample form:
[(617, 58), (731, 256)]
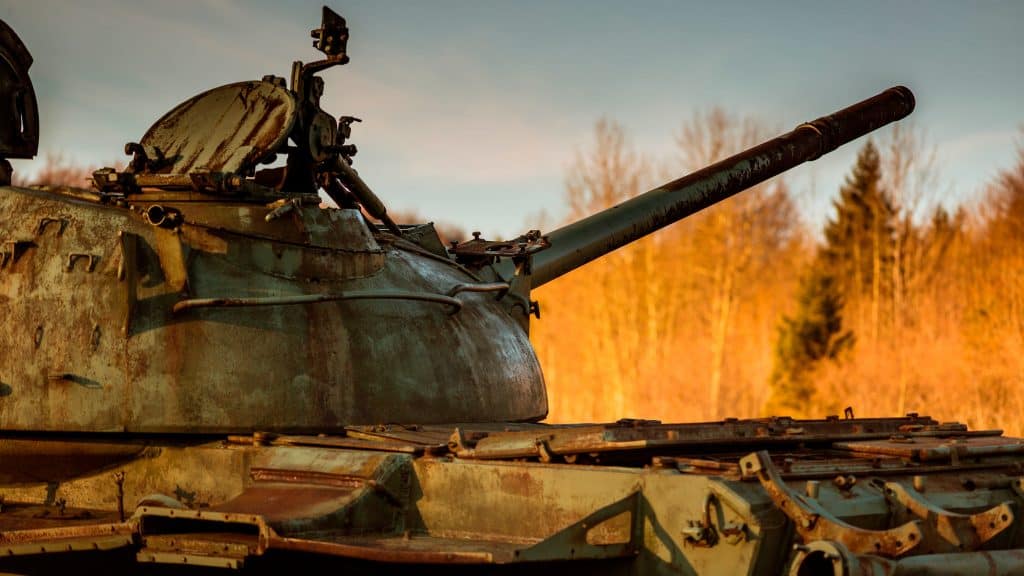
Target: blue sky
[(474, 109)]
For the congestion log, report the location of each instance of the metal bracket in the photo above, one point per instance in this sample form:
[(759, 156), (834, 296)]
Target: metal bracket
[(479, 252), (127, 273), (571, 542), (13, 249), (959, 531), (814, 522), (45, 222), (91, 260), (178, 548), (145, 158), (704, 534), (69, 378)]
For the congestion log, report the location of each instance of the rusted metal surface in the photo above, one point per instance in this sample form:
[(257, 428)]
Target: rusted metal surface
[(957, 531), (479, 252), (401, 550), (29, 460), (320, 365), (628, 436), (798, 468), (227, 129), (937, 449), (834, 559), (381, 444), (813, 521), (66, 539), (392, 494)]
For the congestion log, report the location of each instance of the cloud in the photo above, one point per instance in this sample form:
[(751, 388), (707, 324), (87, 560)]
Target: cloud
[(979, 142), (439, 127)]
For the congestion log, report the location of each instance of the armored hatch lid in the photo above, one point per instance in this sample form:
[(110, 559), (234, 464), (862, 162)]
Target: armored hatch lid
[(19, 123), (227, 129)]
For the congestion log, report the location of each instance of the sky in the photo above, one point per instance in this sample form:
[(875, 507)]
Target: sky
[(473, 111)]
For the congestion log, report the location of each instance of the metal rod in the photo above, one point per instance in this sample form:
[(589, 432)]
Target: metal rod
[(485, 287), (371, 203), (315, 299), (580, 242)]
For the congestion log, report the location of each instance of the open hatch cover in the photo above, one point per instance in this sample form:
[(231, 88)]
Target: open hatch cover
[(227, 129)]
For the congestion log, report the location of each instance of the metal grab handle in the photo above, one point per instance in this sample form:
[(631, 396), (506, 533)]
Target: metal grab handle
[(499, 287), (316, 299)]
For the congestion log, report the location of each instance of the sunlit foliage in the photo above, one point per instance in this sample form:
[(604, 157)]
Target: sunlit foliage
[(683, 325)]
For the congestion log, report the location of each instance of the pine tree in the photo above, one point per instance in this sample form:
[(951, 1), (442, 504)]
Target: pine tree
[(855, 261), (814, 333), (859, 238)]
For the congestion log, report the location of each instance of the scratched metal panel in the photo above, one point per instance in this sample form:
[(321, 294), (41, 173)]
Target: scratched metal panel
[(62, 366), (93, 343), (224, 129), (327, 365)]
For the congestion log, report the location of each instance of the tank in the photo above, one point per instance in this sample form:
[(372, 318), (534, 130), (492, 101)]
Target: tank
[(205, 370)]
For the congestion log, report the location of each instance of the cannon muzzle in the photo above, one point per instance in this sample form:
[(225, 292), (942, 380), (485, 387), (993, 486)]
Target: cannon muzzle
[(580, 242)]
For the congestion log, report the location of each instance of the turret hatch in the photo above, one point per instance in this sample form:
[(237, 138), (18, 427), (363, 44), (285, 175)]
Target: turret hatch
[(227, 129)]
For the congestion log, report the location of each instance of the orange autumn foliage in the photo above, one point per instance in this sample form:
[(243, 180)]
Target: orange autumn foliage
[(681, 325)]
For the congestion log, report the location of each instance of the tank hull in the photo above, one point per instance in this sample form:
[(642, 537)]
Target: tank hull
[(740, 497)]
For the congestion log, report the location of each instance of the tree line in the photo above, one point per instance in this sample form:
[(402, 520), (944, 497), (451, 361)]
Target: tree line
[(899, 303)]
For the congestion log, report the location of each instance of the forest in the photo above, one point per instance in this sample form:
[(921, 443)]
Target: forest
[(898, 303)]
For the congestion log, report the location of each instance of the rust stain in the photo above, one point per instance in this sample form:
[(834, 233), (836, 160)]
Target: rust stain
[(519, 483)]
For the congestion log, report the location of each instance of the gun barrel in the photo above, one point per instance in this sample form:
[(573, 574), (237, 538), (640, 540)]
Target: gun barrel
[(580, 242)]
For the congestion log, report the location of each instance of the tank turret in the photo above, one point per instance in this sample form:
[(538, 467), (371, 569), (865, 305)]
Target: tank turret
[(204, 368), (208, 293)]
